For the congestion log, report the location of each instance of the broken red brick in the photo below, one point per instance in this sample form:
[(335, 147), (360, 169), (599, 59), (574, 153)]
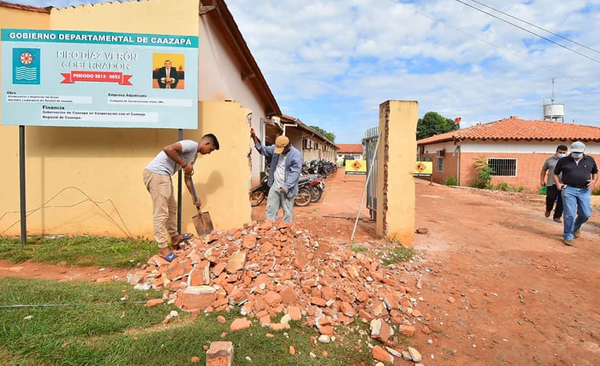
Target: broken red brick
[(154, 302), (381, 355), (220, 354), (239, 324)]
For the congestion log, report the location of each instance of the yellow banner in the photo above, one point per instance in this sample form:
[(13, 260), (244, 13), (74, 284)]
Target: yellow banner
[(423, 169), (356, 167)]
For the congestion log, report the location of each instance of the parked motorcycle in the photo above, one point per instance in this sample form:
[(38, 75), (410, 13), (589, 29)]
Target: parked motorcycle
[(260, 192), (303, 198)]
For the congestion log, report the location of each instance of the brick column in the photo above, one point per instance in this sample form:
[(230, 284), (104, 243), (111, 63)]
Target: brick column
[(396, 163)]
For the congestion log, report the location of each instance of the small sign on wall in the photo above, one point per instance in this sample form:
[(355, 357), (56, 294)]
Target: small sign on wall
[(356, 167), (423, 169)]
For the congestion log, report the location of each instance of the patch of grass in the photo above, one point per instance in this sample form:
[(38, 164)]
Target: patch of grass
[(79, 251), (503, 186), (451, 181), (397, 255), (359, 249), (90, 332), (596, 191)]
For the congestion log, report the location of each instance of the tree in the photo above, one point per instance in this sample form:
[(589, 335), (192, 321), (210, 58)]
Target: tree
[(329, 135), (434, 123)]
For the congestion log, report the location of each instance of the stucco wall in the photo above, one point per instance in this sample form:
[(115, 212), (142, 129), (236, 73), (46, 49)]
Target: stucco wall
[(105, 165), (9, 135)]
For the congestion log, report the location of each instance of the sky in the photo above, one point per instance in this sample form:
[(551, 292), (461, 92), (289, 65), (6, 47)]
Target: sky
[(332, 62)]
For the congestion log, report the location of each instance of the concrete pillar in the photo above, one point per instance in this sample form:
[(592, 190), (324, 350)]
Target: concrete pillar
[(396, 162)]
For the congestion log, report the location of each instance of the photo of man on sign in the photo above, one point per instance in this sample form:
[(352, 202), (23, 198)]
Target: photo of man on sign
[(168, 71)]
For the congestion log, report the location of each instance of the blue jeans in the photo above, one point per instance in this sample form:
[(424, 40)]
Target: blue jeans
[(575, 200), (276, 199)]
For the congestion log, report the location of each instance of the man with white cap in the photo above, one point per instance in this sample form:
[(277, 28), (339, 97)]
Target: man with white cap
[(579, 175), (286, 164)]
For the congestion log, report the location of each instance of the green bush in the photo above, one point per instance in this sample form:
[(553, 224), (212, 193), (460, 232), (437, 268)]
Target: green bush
[(451, 181), (596, 191), (484, 174)]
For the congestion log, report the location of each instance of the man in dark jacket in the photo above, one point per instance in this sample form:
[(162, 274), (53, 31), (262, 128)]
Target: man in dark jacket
[(579, 175), (167, 76), (286, 164)]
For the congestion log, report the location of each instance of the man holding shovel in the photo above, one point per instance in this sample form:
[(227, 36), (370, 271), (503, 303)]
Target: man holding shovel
[(157, 178), (284, 174)]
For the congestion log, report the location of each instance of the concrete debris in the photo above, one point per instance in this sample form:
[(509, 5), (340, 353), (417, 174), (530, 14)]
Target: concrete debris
[(274, 271)]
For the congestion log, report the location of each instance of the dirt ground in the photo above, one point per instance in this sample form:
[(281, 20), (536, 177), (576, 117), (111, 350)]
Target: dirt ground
[(520, 296)]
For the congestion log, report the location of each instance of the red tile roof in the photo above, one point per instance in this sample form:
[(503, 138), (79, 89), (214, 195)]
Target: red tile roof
[(350, 148), (36, 9), (514, 128)]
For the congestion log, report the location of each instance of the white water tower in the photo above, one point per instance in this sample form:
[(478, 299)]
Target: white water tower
[(554, 112)]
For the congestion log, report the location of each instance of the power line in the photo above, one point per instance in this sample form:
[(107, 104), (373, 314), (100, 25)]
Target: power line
[(535, 26), (490, 43), (528, 31)]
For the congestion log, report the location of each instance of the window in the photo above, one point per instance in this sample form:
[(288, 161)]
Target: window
[(440, 164), (503, 167)]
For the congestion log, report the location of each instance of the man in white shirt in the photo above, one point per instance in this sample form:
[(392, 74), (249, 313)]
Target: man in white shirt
[(157, 178)]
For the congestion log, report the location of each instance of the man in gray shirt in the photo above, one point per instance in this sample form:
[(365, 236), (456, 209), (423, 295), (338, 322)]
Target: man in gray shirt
[(157, 178), (547, 180)]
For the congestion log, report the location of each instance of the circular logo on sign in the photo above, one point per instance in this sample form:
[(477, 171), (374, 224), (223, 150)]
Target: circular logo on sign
[(421, 167), (356, 165), (26, 58)]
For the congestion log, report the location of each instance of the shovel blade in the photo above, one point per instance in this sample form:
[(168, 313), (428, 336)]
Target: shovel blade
[(203, 223)]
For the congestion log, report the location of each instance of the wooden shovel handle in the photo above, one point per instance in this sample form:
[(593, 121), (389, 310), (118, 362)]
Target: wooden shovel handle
[(194, 195)]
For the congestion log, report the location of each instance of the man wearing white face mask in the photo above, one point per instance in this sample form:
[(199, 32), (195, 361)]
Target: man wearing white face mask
[(579, 175), (552, 192)]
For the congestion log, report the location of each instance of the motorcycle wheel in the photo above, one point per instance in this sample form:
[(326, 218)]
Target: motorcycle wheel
[(257, 197), (315, 194), (303, 197)]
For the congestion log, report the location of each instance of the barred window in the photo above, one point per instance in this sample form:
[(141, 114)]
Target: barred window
[(503, 167), (440, 164)]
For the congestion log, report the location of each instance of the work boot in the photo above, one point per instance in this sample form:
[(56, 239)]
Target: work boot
[(568, 242), (577, 233), (557, 219)]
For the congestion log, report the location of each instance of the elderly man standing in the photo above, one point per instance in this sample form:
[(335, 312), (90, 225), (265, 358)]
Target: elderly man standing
[(579, 175), (284, 174)]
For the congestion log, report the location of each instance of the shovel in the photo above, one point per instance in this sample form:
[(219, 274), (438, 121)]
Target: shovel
[(202, 220)]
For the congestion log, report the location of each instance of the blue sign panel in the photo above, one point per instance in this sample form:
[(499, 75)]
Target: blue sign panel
[(99, 79)]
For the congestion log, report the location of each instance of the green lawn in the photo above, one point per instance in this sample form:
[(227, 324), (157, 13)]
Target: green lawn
[(93, 326), (79, 251)]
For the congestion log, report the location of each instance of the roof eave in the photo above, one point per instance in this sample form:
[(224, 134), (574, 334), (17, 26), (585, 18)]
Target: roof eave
[(225, 19), (36, 9)]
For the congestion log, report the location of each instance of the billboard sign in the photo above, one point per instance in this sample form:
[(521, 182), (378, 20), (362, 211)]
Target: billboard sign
[(99, 79)]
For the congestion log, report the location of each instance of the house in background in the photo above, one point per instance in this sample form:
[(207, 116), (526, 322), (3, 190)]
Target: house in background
[(350, 151), (514, 148), (312, 143)]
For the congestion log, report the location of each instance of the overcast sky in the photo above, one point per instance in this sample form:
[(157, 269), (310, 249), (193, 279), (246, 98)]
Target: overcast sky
[(332, 62)]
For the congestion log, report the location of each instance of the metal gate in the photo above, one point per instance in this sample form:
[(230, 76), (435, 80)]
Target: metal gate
[(370, 142)]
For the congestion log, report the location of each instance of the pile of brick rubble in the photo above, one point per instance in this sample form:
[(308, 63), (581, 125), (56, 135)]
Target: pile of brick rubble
[(270, 269)]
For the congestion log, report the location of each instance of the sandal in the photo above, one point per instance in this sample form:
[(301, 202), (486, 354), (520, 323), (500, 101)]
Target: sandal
[(184, 237), (170, 257)]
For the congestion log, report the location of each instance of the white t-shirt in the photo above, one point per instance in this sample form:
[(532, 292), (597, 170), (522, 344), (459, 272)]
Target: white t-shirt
[(280, 171), (162, 164)]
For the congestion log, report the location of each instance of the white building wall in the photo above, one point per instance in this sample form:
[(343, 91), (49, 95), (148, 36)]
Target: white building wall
[(533, 147), (220, 79)]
